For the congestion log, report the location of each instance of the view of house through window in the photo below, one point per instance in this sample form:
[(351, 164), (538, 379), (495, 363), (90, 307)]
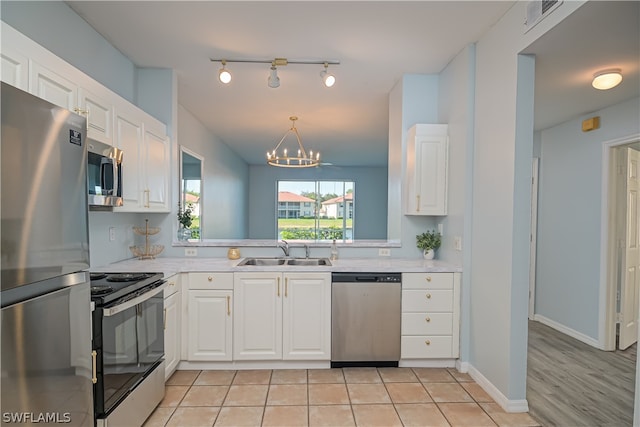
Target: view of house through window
[(315, 210)]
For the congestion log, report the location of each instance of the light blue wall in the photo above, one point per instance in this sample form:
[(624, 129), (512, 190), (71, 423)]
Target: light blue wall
[(569, 216), (226, 180), (55, 26), (456, 107), (370, 202)]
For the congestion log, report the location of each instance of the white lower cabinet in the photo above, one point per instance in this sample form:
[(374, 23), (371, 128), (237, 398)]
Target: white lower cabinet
[(430, 315), (210, 317), (172, 324), (282, 316)]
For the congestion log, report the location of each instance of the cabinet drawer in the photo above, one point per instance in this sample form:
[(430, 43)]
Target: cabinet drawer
[(210, 280), (173, 285), (427, 280), (427, 324), (426, 347), (427, 301)]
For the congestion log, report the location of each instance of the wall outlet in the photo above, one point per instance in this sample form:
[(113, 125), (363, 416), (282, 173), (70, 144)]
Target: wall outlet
[(190, 252), (457, 243), (441, 228), (112, 234), (384, 252)]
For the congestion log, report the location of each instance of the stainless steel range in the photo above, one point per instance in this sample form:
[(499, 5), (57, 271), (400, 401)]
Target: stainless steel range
[(128, 345)]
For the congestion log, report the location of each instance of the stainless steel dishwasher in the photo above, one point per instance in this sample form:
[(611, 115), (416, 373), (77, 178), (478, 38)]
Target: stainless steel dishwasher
[(365, 319)]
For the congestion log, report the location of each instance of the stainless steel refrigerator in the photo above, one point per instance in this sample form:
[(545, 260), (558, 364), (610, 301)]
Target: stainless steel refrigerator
[(46, 364)]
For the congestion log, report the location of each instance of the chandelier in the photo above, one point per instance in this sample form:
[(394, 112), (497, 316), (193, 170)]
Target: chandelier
[(287, 159)]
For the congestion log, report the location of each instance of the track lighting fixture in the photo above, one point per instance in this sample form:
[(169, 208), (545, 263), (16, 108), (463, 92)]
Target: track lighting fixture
[(327, 78), (273, 80), (224, 75)]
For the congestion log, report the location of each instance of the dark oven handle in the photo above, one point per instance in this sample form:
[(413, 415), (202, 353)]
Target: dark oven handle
[(134, 301)]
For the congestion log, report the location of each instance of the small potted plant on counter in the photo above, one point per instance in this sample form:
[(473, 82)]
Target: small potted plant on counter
[(184, 219), (428, 242)]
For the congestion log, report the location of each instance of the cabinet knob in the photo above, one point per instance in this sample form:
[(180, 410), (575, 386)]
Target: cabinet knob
[(210, 279), (428, 278), (427, 319), (427, 342), (428, 296)]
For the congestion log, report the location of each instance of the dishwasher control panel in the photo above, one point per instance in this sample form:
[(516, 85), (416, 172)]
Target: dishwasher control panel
[(366, 277)]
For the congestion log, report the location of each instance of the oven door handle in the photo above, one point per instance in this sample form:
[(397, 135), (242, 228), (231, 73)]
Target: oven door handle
[(134, 301)]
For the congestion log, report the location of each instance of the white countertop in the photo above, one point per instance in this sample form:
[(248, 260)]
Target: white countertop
[(171, 266)]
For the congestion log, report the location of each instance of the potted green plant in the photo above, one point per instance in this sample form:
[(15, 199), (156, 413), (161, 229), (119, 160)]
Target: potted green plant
[(429, 241), (184, 220)]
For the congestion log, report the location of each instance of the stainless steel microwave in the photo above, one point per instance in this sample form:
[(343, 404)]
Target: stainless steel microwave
[(104, 175)]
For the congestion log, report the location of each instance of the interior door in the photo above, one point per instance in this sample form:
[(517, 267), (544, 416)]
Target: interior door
[(630, 272)]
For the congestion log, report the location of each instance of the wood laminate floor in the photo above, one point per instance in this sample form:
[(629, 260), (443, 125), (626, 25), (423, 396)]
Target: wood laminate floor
[(570, 383)]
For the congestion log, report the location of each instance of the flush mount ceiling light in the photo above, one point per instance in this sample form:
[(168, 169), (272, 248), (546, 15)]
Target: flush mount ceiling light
[(273, 80), (327, 78), (224, 75), (286, 160), (607, 79)]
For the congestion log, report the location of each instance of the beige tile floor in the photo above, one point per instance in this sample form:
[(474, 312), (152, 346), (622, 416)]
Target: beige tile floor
[(329, 397)]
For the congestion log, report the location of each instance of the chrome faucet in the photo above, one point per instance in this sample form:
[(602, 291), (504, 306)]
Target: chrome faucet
[(285, 247), (307, 250)]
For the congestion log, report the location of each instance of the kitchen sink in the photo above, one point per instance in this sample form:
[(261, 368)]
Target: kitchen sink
[(264, 262), (308, 261)]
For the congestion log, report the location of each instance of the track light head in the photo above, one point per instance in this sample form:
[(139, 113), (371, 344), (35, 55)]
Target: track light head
[(273, 81), (327, 78), (224, 75)]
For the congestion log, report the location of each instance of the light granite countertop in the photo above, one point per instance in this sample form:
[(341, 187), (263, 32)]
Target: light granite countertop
[(170, 266)]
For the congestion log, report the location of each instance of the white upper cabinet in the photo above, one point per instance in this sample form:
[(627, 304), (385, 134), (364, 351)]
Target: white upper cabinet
[(14, 68), (111, 119), (52, 87), (426, 176)]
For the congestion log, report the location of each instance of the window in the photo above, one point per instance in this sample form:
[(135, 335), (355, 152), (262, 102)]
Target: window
[(315, 210)]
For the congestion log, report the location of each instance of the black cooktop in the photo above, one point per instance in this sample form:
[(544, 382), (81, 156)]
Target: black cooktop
[(108, 287)]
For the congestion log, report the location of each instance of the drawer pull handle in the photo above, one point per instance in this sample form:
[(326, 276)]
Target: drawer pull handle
[(427, 342), (171, 284), (428, 296), (210, 279), (428, 278), (427, 319)]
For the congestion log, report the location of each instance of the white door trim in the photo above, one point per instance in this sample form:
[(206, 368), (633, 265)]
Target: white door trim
[(533, 237), (607, 303)]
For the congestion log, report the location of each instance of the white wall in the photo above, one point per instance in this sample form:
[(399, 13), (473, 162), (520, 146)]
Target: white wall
[(569, 217)]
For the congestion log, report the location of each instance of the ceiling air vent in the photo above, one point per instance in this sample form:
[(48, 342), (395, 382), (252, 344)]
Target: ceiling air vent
[(537, 10)]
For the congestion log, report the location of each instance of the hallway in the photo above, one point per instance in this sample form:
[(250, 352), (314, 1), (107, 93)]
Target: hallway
[(570, 383)]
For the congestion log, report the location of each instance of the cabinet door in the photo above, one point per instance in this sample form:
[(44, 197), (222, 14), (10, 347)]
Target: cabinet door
[(52, 87), (157, 170), (210, 325), (426, 175), (257, 333), (306, 314), (14, 68), (128, 138), (99, 113), (171, 333)]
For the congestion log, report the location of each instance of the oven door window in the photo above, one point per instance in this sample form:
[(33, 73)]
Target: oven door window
[(132, 342)]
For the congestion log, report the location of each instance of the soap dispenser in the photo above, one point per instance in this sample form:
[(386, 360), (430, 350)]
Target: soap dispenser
[(334, 250)]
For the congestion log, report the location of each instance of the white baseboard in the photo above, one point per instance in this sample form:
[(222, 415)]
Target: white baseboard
[(520, 405), (568, 331)]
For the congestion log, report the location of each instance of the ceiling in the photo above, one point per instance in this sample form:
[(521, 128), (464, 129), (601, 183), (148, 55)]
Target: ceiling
[(376, 43)]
